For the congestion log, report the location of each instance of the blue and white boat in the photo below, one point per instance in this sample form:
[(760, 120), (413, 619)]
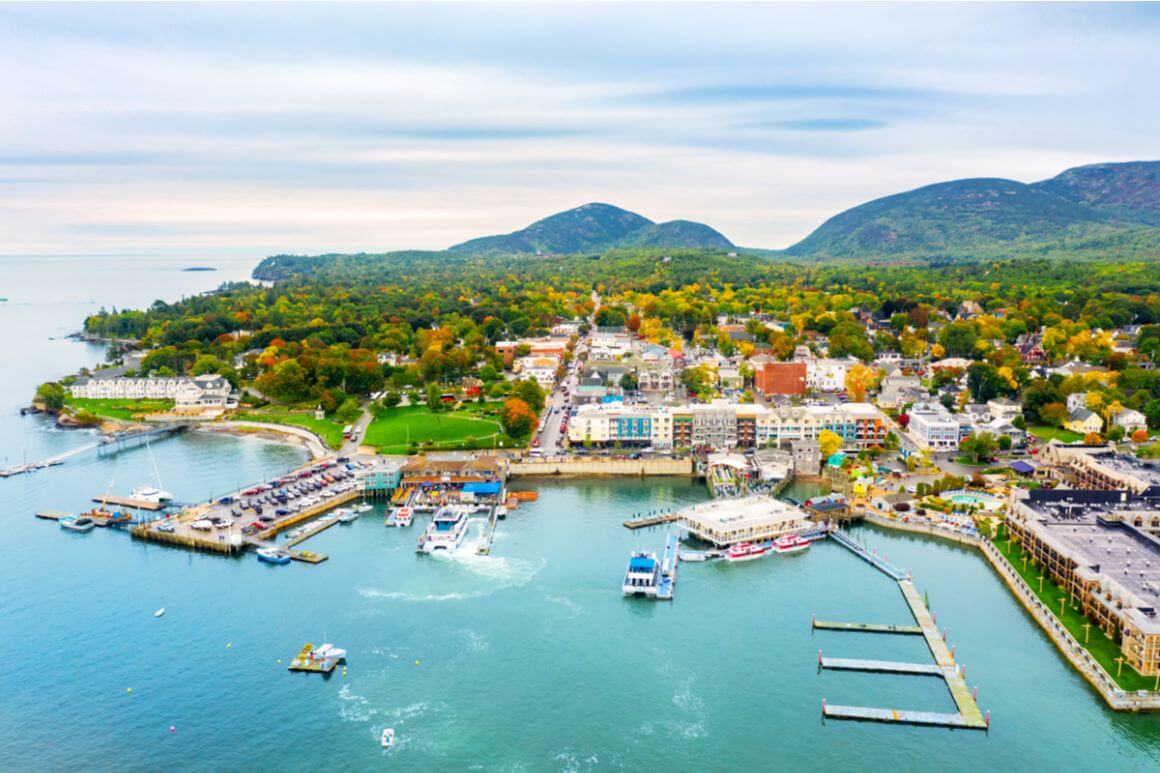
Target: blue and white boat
[(273, 556), (445, 532), (643, 575), (81, 524)]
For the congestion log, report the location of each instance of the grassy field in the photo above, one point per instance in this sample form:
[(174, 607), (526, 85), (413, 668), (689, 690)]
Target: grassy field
[(122, 410), (1103, 649), (1055, 433), (326, 429), (456, 430)]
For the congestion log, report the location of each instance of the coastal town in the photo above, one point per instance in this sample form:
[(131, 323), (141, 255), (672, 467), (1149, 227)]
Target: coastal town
[(1035, 453)]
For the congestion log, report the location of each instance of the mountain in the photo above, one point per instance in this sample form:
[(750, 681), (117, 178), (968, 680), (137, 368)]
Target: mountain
[(1129, 192), (593, 227), (1113, 208)]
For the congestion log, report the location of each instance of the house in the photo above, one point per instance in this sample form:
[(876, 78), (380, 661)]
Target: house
[(540, 368), (1030, 347), (1084, 421), (1004, 408), (898, 389), (828, 375), (537, 347), (729, 378), (1131, 420), (933, 427), (208, 392), (968, 309)]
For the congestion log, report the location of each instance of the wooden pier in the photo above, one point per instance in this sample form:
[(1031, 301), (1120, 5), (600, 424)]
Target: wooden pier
[(53, 515), (317, 528), (880, 666), (484, 546), (906, 630), (651, 520)]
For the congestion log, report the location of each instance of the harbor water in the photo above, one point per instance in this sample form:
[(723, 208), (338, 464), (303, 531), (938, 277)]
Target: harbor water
[(526, 659)]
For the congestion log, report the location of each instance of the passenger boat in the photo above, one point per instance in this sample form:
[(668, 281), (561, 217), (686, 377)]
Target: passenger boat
[(790, 543), (151, 494), (403, 516), (445, 532), (388, 739), (746, 551), (273, 556), (82, 524), (643, 574)]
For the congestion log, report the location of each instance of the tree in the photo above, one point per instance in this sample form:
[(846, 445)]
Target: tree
[(392, 399), (1092, 439), (958, 339), (1152, 413), (979, 446), (859, 379), (1005, 442), (517, 417), (51, 395), (1053, 414), (628, 382), (434, 397), (488, 373), (349, 411), (984, 381), (531, 393), (829, 442), (1140, 436), (1116, 433)]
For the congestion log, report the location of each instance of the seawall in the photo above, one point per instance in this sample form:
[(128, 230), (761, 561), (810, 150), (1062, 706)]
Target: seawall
[(596, 466)]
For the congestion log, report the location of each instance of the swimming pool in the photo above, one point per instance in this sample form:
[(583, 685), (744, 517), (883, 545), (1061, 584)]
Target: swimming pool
[(974, 499)]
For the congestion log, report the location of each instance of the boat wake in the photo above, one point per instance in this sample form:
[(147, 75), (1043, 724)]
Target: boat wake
[(574, 607)]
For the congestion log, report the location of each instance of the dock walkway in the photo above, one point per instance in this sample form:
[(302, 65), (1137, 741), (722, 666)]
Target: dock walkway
[(897, 716), (650, 520), (826, 625), (870, 557), (881, 666)]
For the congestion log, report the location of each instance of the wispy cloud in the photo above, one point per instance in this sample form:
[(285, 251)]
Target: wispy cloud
[(260, 128)]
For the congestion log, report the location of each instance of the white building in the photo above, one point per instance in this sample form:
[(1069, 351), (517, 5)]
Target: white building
[(933, 427), (898, 389), (757, 518), (827, 375), (1131, 420), (206, 392), (542, 369), (609, 345), (121, 388)]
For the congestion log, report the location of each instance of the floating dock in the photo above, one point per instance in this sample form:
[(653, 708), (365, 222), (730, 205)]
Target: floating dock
[(669, 562), (895, 716), (303, 662), (484, 546), (316, 528), (650, 520), (826, 625), (53, 515), (968, 715), (880, 666)]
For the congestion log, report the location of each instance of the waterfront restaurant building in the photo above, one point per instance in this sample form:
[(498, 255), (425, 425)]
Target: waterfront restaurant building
[(725, 522)]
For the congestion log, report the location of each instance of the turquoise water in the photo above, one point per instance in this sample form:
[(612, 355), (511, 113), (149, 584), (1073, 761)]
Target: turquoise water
[(529, 659)]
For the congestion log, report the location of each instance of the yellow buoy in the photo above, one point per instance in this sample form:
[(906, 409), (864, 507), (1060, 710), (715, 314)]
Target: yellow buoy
[(228, 645), (128, 689), (416, 662)]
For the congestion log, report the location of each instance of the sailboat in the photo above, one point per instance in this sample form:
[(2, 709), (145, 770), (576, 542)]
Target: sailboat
[(153, 494)]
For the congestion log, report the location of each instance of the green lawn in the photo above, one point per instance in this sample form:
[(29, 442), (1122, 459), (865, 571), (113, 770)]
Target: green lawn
[(328, 430), (1055, 433), (1103, 649), (123, 410), (391, 432)]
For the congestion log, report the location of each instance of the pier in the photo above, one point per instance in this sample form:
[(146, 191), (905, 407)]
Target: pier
[(109, 444), (668, 581), (967, 716), (136, 504), (488, 536)]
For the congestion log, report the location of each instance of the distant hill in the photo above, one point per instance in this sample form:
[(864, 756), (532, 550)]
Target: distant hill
[(596, 227), (1112, 208)]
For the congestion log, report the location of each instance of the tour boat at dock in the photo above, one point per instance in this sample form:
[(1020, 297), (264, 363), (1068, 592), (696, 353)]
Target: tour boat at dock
[(643, 574), (790, 543), (151, 494), (403, 516), (746, 551), (346, 515), (445, 532)]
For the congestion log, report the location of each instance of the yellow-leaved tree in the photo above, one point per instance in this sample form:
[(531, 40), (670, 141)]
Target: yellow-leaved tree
[(829, 442)]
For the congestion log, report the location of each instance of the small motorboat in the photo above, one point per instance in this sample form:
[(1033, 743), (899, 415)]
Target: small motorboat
[(81, 524), (364, 508), (350, 516), (273, 556), (388, 739), (791, 543), (403, 516), (160, 612)]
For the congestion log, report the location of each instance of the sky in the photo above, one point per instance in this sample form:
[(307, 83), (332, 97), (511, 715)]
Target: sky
[(248, 130)]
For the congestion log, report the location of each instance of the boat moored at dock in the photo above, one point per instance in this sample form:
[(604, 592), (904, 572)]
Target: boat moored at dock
[(273, 556), (642, 576), (446, 530), (403, 516), (80, 524), (791, 543), (747, 551)]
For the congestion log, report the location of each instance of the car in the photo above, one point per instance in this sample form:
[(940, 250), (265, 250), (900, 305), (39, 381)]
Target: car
[(226, 501), (165, 527)]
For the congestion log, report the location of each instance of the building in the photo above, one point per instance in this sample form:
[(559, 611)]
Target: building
[(723, 426), (780, 378), (759, 518), (729, 378), (540, 368), (537, 347), (1100, 467), (609, 344), (656, 376), (827, 375), (932, 427), (128, 388), (1089, 543), (1004, 408), (807, 457), (1084, 421), (1130, 420), (207, 392), (450, 471), (898, 389)]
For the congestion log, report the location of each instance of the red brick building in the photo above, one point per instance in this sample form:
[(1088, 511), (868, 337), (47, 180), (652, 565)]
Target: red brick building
[(780, 378)]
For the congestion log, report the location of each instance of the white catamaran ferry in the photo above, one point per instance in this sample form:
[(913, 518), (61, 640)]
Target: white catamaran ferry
[(445, 532)]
